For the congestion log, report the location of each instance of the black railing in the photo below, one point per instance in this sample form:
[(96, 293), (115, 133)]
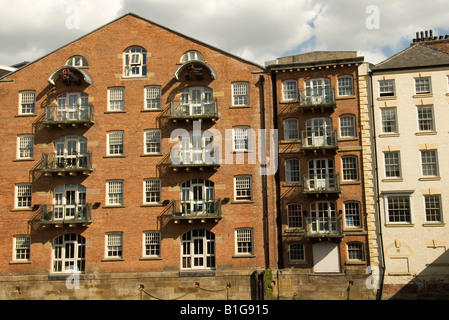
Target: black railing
[(66, 162), (196, 209), (66, 213), (72, 114)]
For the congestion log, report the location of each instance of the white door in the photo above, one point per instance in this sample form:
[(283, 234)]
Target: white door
[(326, 257), (321, 174), (319, 132)]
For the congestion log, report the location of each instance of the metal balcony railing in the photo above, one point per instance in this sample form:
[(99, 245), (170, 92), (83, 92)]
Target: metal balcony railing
[(316, 139), (196, 209), (71, 114), (195, 156), (66, 213), (193, 109), (321, 183), (323, 97), (66, 162), (323, 226)]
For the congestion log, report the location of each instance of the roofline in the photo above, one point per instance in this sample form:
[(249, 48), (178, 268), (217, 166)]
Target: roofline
[(307, 64), (411, 67), (146, 20), (439, 66)]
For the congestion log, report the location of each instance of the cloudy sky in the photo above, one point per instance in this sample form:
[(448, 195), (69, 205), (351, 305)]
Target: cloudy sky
[(257, 30)]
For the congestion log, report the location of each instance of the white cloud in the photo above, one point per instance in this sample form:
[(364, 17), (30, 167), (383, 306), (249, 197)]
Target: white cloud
[(257, 30)]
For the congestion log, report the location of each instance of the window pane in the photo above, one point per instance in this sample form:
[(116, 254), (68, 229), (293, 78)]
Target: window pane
[(345, 86), (399, 209), (389, 124), (425, 118), (433, 208), (243, 188), (347, 126)]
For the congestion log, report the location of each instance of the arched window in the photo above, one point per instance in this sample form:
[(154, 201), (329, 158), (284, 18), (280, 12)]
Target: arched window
[(73, 106), (198, 250), (69, 253), (77, 61), (135, 62), (191, 55), (318, 91), (345, 86), (71, 152)]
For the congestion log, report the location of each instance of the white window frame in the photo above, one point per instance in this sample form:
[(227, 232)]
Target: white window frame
[(294, 216), (292, 171), (347, 126), (434, 164), (152, 190), (25, 146), (152, 141), (423, 85), (114, 192), (244, 241), (21, 247), (136, 66), (191, 55), (120, 150), (398, 164), (116, 99), (296, 254), (23, 195), (387, 88), (389, 197), (350, 166), (353, 216), (27, 102), (152, 96), (291, 129), (289, 90), (240, 93), (77, 61), (433, 211), (241, 136), (151, 244), (60, 263), (389, 123), (345, 86), (356, 247), (426, 121), (113, 245), (243, 188)]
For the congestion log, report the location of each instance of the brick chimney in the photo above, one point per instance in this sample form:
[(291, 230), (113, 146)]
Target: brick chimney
[(426, 37)]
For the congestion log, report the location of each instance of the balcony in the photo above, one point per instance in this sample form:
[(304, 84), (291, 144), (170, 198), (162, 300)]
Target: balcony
[(319, 141), (195, 158), (193, 110), (71, 215), (71, 116), (313, 101), (330, 227), (321, 184), (65, 163), (196, 210)]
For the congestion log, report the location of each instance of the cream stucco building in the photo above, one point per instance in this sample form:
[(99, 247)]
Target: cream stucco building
[(410, 112)]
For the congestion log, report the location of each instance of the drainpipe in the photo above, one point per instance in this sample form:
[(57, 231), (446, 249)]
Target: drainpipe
[(276, 177), (376, 188), (264, 178)]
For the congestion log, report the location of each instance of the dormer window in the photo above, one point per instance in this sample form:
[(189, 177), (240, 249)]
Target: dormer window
[(77, 61), (191, 55), (134, 62)]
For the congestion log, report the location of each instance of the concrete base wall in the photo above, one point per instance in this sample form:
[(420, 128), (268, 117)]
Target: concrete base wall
[(232, 285)]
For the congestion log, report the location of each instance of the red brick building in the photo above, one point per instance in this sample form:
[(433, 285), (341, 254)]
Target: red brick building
[(88, 181), (322, 223)]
